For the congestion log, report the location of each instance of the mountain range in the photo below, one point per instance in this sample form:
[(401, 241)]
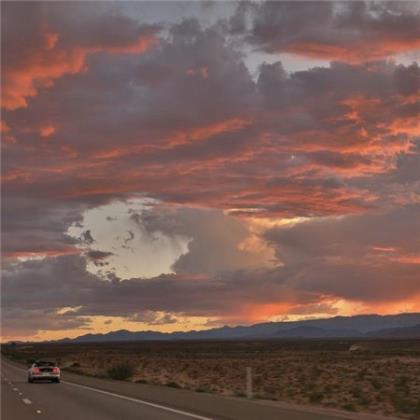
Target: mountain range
[(405, 325)]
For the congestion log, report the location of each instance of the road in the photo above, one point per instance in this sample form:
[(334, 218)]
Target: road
[(84, 398)]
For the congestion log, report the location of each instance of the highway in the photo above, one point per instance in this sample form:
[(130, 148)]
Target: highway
[(84, 398)]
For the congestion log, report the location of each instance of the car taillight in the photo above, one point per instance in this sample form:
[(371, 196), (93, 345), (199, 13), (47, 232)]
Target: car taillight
[(36, 370), (56, 370)]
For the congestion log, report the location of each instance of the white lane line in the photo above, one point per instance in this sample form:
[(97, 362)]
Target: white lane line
[(136, 400), (15, 389), (38, 411), (27, 401), (20, 393)]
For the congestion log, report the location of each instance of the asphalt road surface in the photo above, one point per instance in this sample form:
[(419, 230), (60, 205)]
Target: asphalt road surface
[(83, 398)]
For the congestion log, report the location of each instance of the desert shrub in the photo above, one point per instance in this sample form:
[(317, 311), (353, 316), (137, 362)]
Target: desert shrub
[(404, 404), (75, 365), (402, 383), (356, 392), (349, 407), (328, 389), (121, 372), (363, 400), (376, 384), (316, 371), (173, 384), (240, 394), (361, 374), (316, 397), (142, 381)]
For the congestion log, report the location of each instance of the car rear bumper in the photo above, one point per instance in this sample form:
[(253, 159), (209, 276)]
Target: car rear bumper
[(48, 377)]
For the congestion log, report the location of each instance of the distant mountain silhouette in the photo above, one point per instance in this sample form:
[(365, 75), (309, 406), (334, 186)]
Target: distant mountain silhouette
[(398, 326), (403, 332)]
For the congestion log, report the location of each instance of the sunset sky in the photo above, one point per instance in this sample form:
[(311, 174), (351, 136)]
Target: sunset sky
[(186, 165)]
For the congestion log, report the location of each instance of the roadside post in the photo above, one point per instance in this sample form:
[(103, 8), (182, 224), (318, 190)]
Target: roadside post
[(249, 382)]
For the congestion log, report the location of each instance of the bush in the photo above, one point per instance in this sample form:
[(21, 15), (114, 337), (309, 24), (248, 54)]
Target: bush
[(376, 384), (356, 392), (349, 407), (121, 372), (316, 397), (173, 385), (404, 404)]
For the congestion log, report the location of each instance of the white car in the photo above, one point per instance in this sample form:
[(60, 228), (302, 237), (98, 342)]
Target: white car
[(44, 371)]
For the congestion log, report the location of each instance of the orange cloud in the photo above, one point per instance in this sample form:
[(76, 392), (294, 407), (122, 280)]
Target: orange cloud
[(16, 175), (200, 71), (39, 254), (4, 128), (179, 138), (47, 130), (353, 52), (409, 259), (42, 66), (201, 133)]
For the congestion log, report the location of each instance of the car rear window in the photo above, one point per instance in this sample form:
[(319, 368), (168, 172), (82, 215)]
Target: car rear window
[(40, 364)]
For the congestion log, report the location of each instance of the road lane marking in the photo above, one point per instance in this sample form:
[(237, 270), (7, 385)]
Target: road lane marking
[(38, 411), (27, 401), (138, 401), (15, 389), (123, 397)]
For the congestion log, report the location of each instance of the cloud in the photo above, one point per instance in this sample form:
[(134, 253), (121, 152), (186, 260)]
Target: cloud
[(270, 150), (345, 31), (98, 257), (55, 49), (70, 285), (215, 239), (33, 227), (94, 116), (325, 261), (29, 323), (153, 318), (357, 257)]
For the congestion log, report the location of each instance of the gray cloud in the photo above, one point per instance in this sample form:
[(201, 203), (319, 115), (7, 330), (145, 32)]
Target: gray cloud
[(348, 31), (354, 257), (214, 238)]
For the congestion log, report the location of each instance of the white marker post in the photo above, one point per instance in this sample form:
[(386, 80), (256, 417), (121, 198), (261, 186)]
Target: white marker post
[(249, 382)]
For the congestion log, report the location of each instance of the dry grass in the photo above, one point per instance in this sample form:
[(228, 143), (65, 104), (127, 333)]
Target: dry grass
[(382, 377)]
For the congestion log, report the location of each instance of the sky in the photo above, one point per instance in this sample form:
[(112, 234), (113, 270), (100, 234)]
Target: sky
[(186, 165)]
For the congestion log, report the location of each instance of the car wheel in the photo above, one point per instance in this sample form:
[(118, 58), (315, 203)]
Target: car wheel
[(30, 380), (57, 381)]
